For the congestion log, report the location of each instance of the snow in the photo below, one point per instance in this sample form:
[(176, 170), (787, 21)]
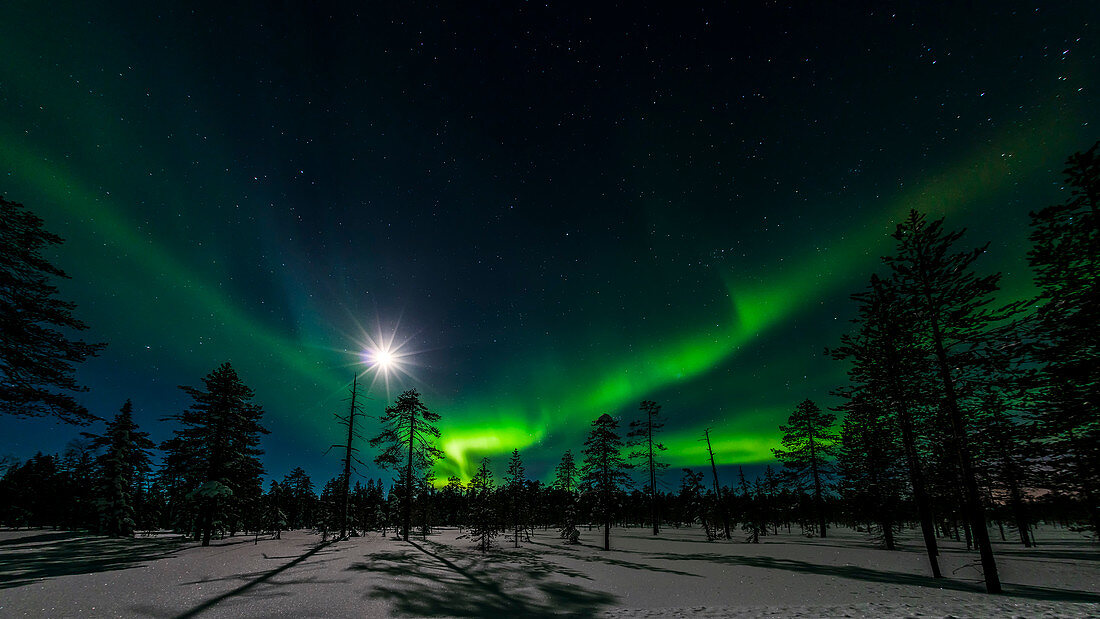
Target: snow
[(677, 574)]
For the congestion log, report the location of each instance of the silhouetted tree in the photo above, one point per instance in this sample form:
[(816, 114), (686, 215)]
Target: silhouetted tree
[(720, 504), (566, 477), (808, 447), (646, 449), (300, 499), (604, 470), (276, 518), (1003, 451), (407, 438), (888, 364), (515, 484), (216, 450), (483, 521), (120, 468), (354, 409), (951, 304), (36, 358), (1065, 257), (869, 459)]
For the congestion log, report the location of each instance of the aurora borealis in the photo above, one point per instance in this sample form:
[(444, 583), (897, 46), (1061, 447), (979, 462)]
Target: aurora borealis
[(558, 211)]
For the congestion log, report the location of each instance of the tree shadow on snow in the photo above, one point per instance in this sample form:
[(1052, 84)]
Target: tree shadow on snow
[(432, 580), (28, 559), (252, 581), (855, 572), (604, 556)]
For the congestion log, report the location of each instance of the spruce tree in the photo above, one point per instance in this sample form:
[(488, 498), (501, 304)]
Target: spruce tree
[(216, 450), (407, 440), (36, 358), (120, 468), (808, 446), (300, 498), (515, 484), (1066, 260), (869, 458), (566, 478), (888, 364), (646, 450), (950, 304), (483, 521), (604, 471)]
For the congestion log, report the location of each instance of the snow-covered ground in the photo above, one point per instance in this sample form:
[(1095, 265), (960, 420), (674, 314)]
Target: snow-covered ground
[(678, 574)]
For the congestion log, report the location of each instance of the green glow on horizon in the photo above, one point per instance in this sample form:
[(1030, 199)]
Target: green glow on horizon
[(755, 309)]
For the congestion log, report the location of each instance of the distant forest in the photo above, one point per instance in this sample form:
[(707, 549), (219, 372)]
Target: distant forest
[(963, 414)]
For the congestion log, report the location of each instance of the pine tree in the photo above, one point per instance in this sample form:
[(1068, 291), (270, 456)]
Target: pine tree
[(604, 470), (276, 518), (950, 303), (752, 520), (483, 522), (299, 498), (120, 468), (646, 449), (868, 458), (566, 481), (1066, 260), (890, 366), (407, 436), (216, 451), (808, 445), (515, 484), (36, 359), (1003, 454)]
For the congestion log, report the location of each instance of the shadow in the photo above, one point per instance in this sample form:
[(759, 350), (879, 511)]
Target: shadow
[(32, 558), (55, 536), (435, 581), (854, 572), (254, 580), (604, 556)]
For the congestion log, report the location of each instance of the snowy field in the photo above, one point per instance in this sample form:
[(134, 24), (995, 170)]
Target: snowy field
[(57, 574)]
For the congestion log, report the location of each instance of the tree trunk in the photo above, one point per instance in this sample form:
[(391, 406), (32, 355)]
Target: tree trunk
[(973, 502), (607, 534), (817, 489), (406, 507)]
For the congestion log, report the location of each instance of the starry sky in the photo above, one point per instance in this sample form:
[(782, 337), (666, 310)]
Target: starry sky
[(554, 210)]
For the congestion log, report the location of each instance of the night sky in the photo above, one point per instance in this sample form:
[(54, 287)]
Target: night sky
[(555, 211)]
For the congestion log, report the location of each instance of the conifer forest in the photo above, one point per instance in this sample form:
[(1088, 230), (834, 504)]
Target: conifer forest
[(410, 311)]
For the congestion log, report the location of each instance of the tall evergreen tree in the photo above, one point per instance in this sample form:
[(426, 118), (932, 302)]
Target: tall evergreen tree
[(869, 457), (120, 468), (566, 478), (604, 472), (483, 522), (407, 437), (950, 302), (1066, 260), (216, 450), (36, 358), (515, 484), (300, 498), (808, 446), (889, 365), (646, 450)]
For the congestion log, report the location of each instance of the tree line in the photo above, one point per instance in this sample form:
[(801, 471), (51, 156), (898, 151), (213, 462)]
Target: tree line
[(961, 413)]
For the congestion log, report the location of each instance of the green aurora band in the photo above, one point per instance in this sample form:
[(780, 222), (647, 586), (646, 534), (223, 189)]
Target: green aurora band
[(498, 418)]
